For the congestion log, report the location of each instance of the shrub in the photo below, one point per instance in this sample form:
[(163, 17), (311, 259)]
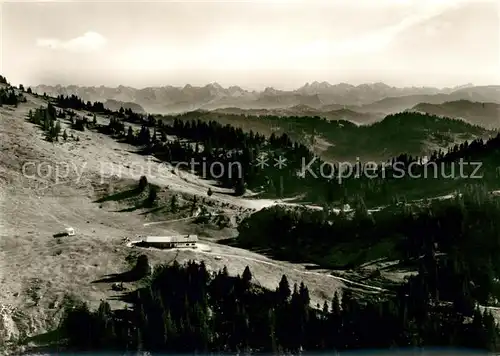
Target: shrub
[(80, 124), (239, 188), (142, 267), (174, 204), (143, 183), (150, 201)]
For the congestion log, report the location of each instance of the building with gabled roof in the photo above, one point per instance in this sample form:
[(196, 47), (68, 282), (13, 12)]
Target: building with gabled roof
[(170, 241)]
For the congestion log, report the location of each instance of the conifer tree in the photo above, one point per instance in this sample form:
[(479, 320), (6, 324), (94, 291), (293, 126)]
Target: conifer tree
[(247, 277), (284, 291), (174, 204)]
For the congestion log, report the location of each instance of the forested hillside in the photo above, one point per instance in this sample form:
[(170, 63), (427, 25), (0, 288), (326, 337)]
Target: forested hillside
[(463, 230), (247, 160), (406, 132), (478, 113), (186, 309)]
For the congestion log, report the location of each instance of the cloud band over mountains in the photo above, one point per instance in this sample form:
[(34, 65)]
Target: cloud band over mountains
[(88, 42)]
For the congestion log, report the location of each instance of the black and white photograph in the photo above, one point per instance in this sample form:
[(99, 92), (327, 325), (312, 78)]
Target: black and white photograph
[(258, 177)]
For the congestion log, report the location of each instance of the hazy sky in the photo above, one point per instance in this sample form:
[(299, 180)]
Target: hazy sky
[(253, 44)]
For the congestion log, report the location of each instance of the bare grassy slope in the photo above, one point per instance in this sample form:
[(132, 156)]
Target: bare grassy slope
[(37, 270)]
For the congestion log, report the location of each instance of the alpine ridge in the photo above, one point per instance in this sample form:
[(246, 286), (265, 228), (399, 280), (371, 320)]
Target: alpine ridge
[(374, 97)]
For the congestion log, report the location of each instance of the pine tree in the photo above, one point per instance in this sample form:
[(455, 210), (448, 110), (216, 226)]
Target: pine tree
[(142, 267), (304, 294), (174, 204), (273, 344), (140, 345), (336, 304), (247, 277), (347, 300), (239, 189), (152, 195), (325, 310), (153, 138), (284, 291), (143, 183), (130, 135)]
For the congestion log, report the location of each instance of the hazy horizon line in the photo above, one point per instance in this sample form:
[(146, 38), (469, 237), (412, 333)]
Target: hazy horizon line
[(262, 88)]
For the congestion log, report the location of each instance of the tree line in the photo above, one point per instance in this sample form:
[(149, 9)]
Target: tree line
[(185, 308), (408, 177), (9, 96)]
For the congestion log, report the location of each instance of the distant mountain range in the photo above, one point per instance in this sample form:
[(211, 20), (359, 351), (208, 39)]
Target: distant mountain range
[(315, 98), (483, 114), (116, 105), (330, 112)]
